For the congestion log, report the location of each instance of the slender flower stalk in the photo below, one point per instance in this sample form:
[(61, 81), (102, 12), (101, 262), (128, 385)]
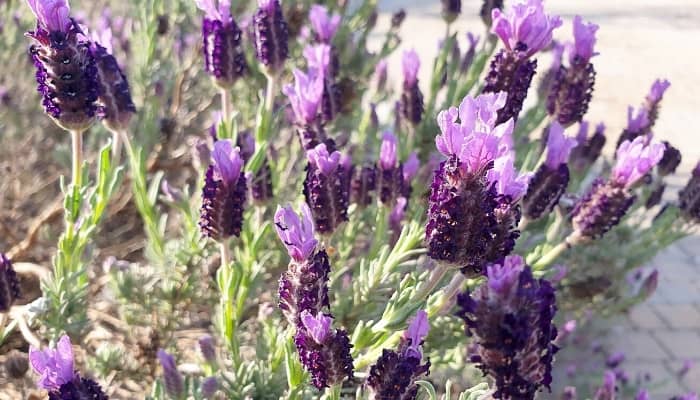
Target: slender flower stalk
[(396, 371), (58, 376), (524, 31), (572, 88), (509, 318)]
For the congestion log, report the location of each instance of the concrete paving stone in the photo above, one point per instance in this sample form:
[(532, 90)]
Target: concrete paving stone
[(680, 344), (644, 317), (662, 383), (678, 316), (637, 346), (680, 292)]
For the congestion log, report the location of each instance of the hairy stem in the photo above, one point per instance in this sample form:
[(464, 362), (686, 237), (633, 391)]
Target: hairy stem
[(77, 150)]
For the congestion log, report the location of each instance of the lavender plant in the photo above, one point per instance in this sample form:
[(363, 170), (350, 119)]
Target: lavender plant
[(423, 254)]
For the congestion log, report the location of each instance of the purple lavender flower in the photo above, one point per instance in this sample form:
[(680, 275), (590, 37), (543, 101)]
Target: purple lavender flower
[(410, 170), (411, 97), (209, 387), (271, 35), (9, 284), (608, 390), (305, 95), (58, 375), (637, 124), (222, 43), (642, 395), (552, 177), (389, 171), (115, 96), (323, 24), (615, 359), (572, 89), (174, 384), (324, 190), (607, 202), (524, 30), (653, 100), (397, 214), (304, 286), (462, 221), (206, 347), (323, 352), (635, 159), (587, 150), (689, 197), (569, 393), (670, 161), (260, 183), (396, 371), (66, 74), (510, 320), (319, 57), (224, 193), (451, 10)]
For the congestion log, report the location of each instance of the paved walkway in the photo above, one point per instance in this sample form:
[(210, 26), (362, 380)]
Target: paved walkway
[(639, 41)]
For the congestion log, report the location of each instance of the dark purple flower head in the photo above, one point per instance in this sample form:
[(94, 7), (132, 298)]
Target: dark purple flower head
[(325, 189), (224, 193), (296, 233), (635, 159), (9, 284), (587, 150), (411, 104), (66, 74), (207, 348), (510, 72), (397, 18), (395, 373), (615, 359), (323, 24), (271, 35), (545, 190), (637, 125), (670, 161), (115, 96), (525, 23), (78, 389), (559, 146), (54, 365), (658, 88), (304, 286), (305, 95), (584, 41), (324, 352), (174, 384), (599, 210), (451, 9), (689, 197), (222, 43), (209, 387), (390, 178), (510, 320)]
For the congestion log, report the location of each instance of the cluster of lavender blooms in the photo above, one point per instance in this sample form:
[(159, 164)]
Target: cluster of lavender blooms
[(480, 201), (77, 77)]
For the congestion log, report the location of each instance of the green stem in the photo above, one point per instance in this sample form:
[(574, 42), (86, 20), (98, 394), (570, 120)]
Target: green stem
[(77, 145), (435, 278), (551, 256), (225, 105), (334, 392), (225, 253), (270, 95)]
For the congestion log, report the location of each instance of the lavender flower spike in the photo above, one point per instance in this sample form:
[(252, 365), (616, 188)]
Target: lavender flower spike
[(224, 193), (635, 159), (54, 365), (224, 59), (305, 95), (174, 384), (510, 320), (323, 352), (58, 376), (584, 41), (411, 97), (271, 35), (551, 178), (296, 233), (324, 25), (689, 197), (324, 189), (526, 23), (9, 284), (115, 95), (396, 371), (389, 172), (66, 75)]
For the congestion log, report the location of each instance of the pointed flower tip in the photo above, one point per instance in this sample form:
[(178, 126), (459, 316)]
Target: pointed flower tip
[(526, 23), (411, 64), (559, 146), (584, 40), (387, 152), (416, 333), (227, 161), (502, 278), (324, 25), (636, 122), (52, 15), (318, 57), (318, 327), (635, 159), (305, 95), (321, 159), (296, 233), (506, 179), (54, 365), (658, 89), (215, 9)]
